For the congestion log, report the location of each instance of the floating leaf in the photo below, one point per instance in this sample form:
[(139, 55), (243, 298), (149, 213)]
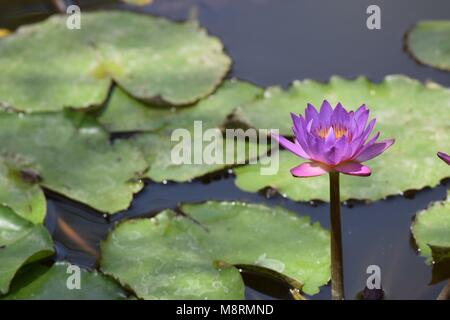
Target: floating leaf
[(74, 159), (39, 282), (402, 107), (167, 262), (21, 242), (151, 58), (176, 257), (272, 238), (125, 113), (19, 192), (431, 230), (429, 42)]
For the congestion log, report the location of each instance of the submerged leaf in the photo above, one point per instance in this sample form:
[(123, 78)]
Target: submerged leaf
[(429, 42), (151, 58), (178, 257), (431, 230), (401, 106), (39, 282), (74, 159), (21, 242)]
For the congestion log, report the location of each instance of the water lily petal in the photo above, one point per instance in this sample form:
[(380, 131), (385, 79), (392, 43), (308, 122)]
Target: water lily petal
[(366, 133), (301, 139), (361, 148), (361, 115), (444, 157), (309, 169), (325, 113), (374, 150), (296, 120), (343, 150), (340, 115), (295, 148), (353, 169), (330, 139), (311, 114)]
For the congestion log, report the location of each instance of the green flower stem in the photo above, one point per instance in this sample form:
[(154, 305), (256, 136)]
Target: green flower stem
[(337, 277)]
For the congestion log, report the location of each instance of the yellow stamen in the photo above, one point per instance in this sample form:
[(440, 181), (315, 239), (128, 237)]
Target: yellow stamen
[(338, 130)]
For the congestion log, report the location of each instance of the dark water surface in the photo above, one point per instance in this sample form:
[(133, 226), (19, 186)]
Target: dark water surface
[(274, 42)]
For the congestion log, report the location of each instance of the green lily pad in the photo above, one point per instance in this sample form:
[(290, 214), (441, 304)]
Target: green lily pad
[(124, 113), (431, 230), (429, 43), (39, 282), (177, 257), (151, 58), (415, 115), (74, 157), (167, 262), (20, 192), (21, 242), (273, 238)]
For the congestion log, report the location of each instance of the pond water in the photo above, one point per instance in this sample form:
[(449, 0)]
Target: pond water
[(274, 43)]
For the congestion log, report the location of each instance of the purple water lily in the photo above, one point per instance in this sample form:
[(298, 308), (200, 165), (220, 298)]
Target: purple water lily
[(445, 157), (333, 141)]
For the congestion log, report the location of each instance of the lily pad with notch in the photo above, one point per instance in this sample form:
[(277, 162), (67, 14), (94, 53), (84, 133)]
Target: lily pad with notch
[(191, 255), (151, 58), (401, 106), (73, 156), (431, 230), (21, 242), (126, 114), (429, 43)]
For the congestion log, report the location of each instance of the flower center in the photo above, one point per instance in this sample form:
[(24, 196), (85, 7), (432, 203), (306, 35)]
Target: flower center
[(338, 130)]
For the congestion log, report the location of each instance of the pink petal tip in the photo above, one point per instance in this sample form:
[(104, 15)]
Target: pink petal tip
[(310, 169), (353, 169)]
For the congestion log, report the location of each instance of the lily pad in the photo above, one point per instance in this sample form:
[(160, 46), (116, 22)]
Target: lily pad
[(166, 262), (273, 238), (178, 256), (19, 190), (429, 43), (40, 282), (74, 157), (21, 242), (125, 114), (431, 230), (151, 58), (416, 115)]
